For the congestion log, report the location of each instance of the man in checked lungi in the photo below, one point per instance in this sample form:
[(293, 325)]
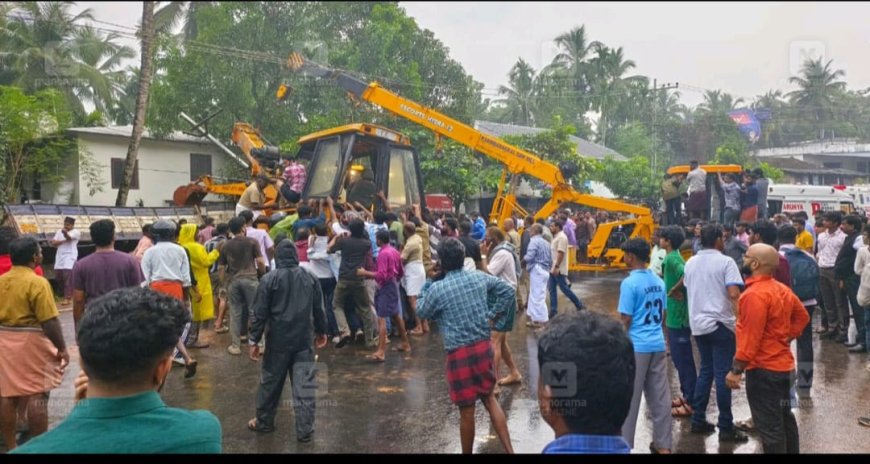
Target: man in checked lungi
[(458, 301)]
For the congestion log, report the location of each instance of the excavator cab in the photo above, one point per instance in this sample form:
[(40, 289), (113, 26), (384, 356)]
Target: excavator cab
[(353, 163)]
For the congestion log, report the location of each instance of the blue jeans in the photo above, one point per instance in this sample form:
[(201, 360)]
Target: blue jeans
[(680, 342), (717, 353), (327, 286), (562, 282)]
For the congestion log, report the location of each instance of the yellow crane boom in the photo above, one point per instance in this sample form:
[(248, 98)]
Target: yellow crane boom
[(516, 160)]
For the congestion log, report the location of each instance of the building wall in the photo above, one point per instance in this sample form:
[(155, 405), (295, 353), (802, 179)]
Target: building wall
[(163, 166)]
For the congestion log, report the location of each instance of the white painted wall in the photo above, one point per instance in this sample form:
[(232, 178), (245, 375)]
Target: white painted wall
[(163, 166)]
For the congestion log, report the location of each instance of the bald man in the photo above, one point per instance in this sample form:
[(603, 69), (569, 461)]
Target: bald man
[(770, 316)]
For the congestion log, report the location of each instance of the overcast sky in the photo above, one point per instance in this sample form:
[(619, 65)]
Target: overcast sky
[(742, 48)]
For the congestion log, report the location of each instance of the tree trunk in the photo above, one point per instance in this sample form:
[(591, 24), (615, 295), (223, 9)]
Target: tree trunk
[(147, 52)]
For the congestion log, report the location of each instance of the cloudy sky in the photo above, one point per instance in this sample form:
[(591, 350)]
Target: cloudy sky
[(742, 48)]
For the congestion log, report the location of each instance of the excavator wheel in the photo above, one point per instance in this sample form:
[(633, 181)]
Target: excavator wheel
[(189, 195)]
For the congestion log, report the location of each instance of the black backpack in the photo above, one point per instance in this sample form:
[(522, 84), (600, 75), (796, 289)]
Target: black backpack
[(804, 274)]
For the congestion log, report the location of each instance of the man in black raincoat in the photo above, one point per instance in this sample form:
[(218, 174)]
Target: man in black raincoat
[(290, 301)]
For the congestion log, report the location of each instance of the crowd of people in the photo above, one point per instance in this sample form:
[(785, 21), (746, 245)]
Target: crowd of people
[(287, 285)]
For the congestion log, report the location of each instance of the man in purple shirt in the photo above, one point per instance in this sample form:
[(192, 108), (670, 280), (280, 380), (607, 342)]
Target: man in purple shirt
[(569, 229), (102, 271), (389, 273)]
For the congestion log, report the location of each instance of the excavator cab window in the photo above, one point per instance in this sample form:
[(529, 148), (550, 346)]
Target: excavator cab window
[(323, 168), (359, 184), (402, 188)]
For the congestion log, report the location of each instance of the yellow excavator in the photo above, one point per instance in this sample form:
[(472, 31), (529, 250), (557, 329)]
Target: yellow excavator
[(353, 164), (256, 153), (604, 246)]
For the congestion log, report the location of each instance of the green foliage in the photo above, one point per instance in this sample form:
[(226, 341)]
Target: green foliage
[(555, 145), (31, 140), (44, 45), (91, 172), (774, 174), (632, 140), (454, 171), (632, 180)]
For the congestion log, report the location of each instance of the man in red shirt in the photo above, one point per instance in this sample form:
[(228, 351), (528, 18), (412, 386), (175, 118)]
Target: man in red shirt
[(770, 316), (7, 234)]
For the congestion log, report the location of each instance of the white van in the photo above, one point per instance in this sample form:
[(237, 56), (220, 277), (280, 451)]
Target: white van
[(859, 193), (789, 199)]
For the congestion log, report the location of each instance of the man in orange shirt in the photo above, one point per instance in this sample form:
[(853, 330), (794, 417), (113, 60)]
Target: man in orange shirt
[(769, 318)]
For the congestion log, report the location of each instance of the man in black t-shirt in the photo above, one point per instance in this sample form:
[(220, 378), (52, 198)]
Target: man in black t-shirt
[(356, 252), (237, 264)]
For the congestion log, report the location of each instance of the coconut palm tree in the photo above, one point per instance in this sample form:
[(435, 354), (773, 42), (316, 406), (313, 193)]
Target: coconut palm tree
[(719, 102), (819, 85), (520, 94), (608, 83), (148, 35), (102, 57), (570, 67), (43, 44)]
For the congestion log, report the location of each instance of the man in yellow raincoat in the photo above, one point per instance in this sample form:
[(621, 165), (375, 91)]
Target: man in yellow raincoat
[(200, 261)]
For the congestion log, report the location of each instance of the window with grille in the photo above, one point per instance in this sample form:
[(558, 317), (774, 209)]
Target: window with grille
[(200, 165)]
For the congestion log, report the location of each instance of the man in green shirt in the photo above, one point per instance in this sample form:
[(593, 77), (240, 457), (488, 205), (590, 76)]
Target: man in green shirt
[(397, 228), (125, 339), (677, 319)]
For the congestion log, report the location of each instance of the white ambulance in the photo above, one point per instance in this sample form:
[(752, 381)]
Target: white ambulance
[(812, 199), (859, 193)]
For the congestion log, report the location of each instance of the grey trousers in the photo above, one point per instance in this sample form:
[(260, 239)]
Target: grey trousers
[(651, 381), (835, 300), (242, 291), (277, 365)]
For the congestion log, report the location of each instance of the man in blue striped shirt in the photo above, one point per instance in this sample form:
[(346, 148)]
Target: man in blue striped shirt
[(586, 383), (464, 303)]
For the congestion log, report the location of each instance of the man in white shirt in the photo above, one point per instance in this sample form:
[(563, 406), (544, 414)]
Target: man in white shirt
[(502, 261), (697, 179), (267, 246), (713, 283), (559, 271), (66, 241), (834, 298)]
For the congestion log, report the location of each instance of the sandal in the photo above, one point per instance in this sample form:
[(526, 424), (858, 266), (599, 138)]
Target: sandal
[(255, 426), (401, 348), (374, 358)]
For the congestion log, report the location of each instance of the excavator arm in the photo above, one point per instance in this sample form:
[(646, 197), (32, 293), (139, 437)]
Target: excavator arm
[(516, 160), (252, 145)]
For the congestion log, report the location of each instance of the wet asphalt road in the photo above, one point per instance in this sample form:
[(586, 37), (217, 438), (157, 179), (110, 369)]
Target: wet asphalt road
[(402, 405)]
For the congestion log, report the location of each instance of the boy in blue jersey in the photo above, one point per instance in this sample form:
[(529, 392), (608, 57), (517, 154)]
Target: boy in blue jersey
[(642, 305)]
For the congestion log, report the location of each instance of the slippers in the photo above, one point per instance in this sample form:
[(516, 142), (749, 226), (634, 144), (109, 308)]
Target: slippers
[(255, 426), (374, 358), (401, 348)]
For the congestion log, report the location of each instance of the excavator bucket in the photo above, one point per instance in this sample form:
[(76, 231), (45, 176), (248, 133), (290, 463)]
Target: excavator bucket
[(189, 195)]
